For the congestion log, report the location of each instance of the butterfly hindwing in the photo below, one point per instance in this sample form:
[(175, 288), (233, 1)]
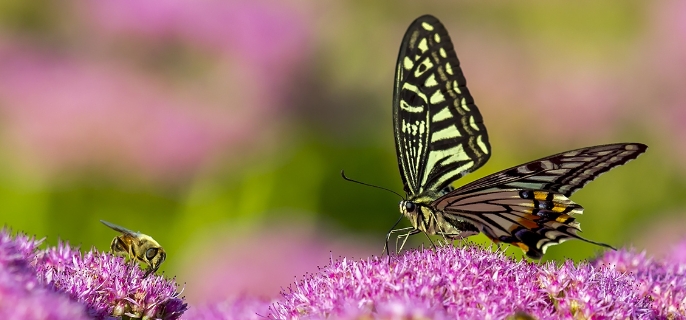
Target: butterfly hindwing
[(528, 205), (439, 132), (564, 172)]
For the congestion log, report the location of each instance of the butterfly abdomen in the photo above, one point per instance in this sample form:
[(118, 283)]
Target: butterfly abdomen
[(428, 220)]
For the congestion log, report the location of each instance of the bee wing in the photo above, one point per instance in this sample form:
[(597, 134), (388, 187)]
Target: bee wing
[(119, 228)]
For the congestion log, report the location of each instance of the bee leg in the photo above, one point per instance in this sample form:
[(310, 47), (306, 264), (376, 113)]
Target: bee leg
[(148, 272), (151, 269), (116, 246)]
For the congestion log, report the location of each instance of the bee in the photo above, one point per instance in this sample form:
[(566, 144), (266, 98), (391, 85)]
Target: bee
[(137, 246)]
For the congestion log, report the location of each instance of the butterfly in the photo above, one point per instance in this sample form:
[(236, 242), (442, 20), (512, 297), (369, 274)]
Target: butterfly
[(440, 137)]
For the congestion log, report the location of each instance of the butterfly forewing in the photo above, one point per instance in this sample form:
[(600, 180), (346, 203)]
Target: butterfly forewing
[(564, 172), (439, 132)]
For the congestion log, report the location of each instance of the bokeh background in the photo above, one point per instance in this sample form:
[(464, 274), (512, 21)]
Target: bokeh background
[(220, 127)]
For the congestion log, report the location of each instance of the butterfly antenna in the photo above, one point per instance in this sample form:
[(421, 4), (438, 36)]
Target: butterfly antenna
[(370, 185)]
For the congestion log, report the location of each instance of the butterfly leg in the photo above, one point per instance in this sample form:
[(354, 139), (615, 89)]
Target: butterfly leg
[(462, 242), (448, 238), (405, 236), (433, 245), (388, 237), (498, 246)]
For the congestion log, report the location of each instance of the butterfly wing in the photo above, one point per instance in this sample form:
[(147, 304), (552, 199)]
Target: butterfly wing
[(439, 132), (528, 205)]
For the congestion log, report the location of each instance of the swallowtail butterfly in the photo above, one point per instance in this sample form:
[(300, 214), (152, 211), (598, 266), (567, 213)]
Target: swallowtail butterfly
[(440, 136)]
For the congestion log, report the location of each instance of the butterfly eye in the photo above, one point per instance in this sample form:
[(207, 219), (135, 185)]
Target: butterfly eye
[(410, 206), (151, 253)]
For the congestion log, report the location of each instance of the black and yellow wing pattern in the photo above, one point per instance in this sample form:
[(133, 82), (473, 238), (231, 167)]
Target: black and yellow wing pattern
[(439, 132), (440, 136)]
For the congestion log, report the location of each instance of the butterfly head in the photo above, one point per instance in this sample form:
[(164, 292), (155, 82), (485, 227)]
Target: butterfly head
[(418, 211), (412, 211), (408, 208)]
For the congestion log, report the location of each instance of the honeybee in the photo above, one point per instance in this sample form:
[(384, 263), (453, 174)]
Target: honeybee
[(137, 246)]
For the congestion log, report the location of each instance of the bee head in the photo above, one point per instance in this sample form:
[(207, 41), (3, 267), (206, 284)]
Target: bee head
[(154, 256)]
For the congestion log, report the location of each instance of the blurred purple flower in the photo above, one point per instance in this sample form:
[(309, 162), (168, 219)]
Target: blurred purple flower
[(663, 282), (666, 228), (580, 102), (242, 308), (264, 32), (678, 254), (21, 295), (267, 41), (71, 115), (665, 47), (258, 44), (558, 100), (467, 283), (40, 305), (659, 88), (61, 283), (87, 105)]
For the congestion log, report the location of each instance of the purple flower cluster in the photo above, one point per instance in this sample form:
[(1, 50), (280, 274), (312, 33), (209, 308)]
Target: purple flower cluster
[(21, 295), (61, 283), (475, 283), (662, 281)]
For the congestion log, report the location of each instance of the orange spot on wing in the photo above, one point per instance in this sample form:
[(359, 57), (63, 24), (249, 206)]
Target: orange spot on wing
[(562, 218), (540, 195), (522, 246), (526, 223), (559, 208)]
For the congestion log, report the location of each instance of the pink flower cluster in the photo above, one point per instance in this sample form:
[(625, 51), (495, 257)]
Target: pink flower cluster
[(61, 283), (463, 283), (21, 295), (663, 282)]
